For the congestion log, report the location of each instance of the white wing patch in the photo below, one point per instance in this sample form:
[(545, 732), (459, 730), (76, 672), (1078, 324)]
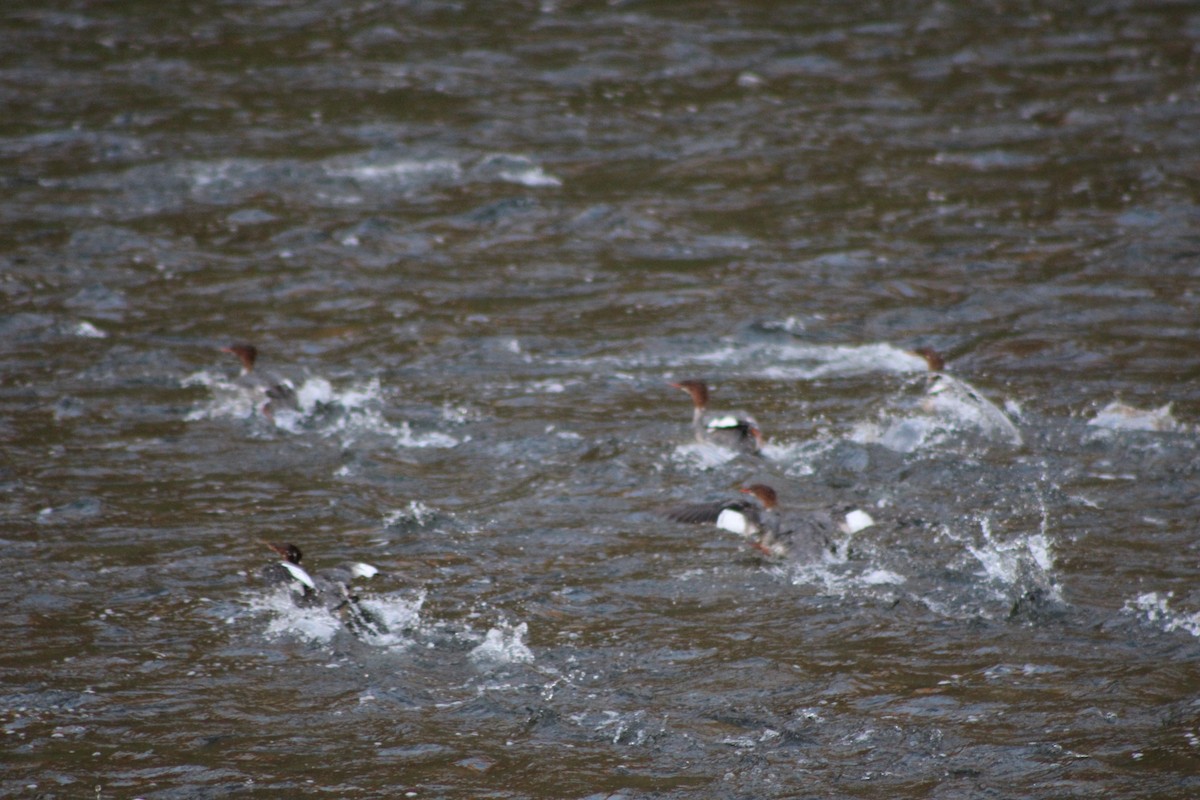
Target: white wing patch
[(361, 570), (858, 520), (721, 423), (299, 574), (734, 521)]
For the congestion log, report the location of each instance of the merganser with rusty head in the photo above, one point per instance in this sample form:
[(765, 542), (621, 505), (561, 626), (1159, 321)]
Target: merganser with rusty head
[(956, 398), (734, 430), (329, 588), (796, 537), (933, 359), (280, 392)]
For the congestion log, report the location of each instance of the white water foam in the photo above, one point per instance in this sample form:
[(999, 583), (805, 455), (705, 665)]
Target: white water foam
[(835, 578), (460, 414), (316, 623), (823, 361), (702, 455), (346, 413), (804, 361), (415, 512), (1117, 416), (313, 624), (963, 405), (1023, 562), (89, 331), (788, 360), (901, 434), (411, 172), (797, 458), (949, 408), (504, 644), (630, 728), (514, 169), (1156, 609), (400, 615), (881, 577), (401, 171)]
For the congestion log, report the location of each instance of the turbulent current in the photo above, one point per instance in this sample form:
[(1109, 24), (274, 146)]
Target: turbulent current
[(477, 243)]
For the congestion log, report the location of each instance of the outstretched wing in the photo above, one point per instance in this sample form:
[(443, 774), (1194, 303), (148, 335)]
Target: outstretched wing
[(736, 516), (699, 513)]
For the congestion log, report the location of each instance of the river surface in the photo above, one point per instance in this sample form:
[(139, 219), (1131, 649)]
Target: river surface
[(481, 239)]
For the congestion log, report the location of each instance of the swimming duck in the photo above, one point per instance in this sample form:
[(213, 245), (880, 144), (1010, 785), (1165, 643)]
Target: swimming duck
[(955, 398), (280, 393), (329, 588), (734, 430), (796, 537)]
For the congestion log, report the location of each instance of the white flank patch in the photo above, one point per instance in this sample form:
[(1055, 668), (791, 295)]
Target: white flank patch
[(858, 520), (721, 423), (733, 521), (361, 570)]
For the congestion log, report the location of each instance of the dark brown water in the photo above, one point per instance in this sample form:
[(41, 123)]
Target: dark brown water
[(481, 239)]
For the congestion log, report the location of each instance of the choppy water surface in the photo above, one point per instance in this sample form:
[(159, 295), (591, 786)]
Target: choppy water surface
[(480, 239)]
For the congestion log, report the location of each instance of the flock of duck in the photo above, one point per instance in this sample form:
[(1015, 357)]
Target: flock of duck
[(756, 516)]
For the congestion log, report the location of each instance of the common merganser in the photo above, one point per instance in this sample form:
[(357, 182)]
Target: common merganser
[(329, 588), (734, 430), (280, 392), (1118, 416), (957, 398), (806, 537), (933, 359)]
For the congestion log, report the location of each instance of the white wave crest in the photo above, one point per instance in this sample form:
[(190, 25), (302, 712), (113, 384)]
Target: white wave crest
[(504, 644), (1156, 609)]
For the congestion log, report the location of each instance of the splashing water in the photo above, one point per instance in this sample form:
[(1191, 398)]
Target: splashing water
[(1117, 416), (1023, 563), (1156, 610), (400, 615), (504, 644), (702, 455), (962, 404), (346, 414)]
